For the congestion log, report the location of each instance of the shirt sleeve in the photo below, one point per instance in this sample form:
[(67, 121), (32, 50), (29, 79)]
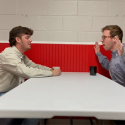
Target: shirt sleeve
[(13, 64), (29, 63), (103, 60)]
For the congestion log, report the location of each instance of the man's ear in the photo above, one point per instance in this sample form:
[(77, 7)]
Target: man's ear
[(17, 39)]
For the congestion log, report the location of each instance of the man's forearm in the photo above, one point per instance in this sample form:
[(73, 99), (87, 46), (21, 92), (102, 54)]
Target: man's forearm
[(103, 60)]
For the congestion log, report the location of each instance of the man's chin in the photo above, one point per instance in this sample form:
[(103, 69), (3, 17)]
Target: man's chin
[(106, 49), (29, 48)]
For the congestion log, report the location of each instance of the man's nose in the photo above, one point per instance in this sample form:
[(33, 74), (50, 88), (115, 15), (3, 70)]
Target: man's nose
[(102, 40), (30, 40)]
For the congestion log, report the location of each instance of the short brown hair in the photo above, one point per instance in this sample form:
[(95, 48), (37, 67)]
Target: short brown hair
[(114, 31), (18, 32)]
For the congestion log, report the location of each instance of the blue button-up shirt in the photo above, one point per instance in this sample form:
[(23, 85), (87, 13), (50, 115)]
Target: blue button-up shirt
[(116, 66)]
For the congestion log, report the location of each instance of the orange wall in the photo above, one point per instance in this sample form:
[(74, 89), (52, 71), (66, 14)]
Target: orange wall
[(71, 58)]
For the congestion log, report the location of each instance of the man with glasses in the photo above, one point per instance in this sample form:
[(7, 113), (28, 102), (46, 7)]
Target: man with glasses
[(112, 40)]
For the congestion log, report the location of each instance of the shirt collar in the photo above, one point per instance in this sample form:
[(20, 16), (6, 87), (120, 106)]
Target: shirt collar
[(19, 54), (115, 53)]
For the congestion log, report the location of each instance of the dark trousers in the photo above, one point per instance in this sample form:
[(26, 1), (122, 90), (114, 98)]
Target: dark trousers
[(8, 121), (119, 122)]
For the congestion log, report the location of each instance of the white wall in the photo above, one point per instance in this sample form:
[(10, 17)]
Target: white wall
[(61, 20)]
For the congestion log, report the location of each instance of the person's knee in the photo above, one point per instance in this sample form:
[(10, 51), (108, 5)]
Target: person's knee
[(30, 122)]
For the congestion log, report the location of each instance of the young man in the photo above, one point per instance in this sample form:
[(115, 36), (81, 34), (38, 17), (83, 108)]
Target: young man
[(112, 40), (15, 66)]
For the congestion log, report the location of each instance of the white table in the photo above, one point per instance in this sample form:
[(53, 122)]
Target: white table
[(71, 94)]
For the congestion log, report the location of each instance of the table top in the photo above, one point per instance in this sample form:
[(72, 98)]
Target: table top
[(71, 94)]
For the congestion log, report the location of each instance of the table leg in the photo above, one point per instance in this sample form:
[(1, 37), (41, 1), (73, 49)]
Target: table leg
[(90, 120), (71, 120)]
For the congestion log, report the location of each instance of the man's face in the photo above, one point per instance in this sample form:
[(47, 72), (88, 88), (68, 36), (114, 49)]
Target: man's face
[(107, 40), (25, 42)]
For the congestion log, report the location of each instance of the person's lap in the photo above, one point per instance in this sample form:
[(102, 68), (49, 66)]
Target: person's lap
[(2, 93)]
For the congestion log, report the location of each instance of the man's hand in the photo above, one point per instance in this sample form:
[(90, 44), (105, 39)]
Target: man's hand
[(119, 46), (51, 69), (97, 47), (56, 72)]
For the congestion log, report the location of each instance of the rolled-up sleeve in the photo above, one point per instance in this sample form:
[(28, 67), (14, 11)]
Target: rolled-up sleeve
[(29, 63)]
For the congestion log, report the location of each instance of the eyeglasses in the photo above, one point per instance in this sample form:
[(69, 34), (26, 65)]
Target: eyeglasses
[(104, 37)]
